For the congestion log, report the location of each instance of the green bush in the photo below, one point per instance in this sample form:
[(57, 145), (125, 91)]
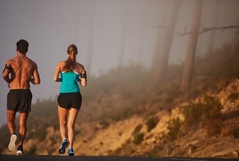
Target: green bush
[(138, 138), (174, 128), (137, 135), (206, 109), (151, 123)]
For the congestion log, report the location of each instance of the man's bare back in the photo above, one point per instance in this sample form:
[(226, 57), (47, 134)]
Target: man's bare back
[(23, 71)]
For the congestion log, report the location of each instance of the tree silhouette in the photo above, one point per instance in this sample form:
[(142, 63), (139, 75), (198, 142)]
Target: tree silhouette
[(192, 44), (235, 43), (164, 55), (214, 23)]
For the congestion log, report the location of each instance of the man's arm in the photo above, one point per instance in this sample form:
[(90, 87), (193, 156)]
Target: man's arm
[(6, 72), (36, 77)]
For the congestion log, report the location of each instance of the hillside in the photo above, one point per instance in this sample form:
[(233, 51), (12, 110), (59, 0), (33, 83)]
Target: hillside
[(132, 116)]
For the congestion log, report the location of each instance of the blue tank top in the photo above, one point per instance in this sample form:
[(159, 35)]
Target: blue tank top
[(69, 82)]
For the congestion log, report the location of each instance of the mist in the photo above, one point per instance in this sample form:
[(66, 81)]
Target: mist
[(103, 29)]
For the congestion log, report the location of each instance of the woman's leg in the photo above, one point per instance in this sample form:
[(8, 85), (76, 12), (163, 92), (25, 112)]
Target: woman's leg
[(62, 113), (71, 122)]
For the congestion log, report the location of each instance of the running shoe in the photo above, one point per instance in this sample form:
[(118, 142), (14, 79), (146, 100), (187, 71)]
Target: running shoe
[(70, 152), (20, 150), (12, 143), (63, 146)]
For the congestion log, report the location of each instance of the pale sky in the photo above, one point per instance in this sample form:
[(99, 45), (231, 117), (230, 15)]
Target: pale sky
[(95, 26)]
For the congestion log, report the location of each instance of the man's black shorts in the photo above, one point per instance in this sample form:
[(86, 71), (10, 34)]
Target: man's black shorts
[(70, 100), (19, 100)]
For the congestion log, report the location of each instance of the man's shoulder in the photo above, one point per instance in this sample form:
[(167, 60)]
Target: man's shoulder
[(12, 60), (31, 61)]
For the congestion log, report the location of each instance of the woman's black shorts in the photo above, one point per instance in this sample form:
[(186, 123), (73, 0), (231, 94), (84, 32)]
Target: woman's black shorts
[(70, 100)]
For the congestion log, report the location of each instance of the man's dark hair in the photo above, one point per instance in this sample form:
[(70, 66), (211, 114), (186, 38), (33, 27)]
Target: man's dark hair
[(22, 46)]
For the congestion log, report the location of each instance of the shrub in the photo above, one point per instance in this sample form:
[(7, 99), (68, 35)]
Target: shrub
[(207, 110), (174, 128), (137, 135), (138, 138), (137, 129), (208, 107), (151, 123)]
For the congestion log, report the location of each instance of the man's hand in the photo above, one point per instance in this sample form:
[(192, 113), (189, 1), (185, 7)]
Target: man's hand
[(8, 84), (32, 80)]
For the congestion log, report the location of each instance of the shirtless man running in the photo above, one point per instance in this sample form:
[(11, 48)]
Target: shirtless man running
[(18, 73)]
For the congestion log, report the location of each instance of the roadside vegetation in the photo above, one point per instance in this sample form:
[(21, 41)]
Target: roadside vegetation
[(123, 92)]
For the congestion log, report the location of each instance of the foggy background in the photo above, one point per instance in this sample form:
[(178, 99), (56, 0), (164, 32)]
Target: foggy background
[(101, 28)]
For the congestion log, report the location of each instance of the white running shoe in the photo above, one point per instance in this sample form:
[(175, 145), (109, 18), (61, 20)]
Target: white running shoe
[(12, 143), (20, 150)]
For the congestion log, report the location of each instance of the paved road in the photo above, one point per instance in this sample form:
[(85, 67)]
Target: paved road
[(99, 158)]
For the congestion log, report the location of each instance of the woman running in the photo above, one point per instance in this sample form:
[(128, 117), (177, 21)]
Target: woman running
[(70, 73)]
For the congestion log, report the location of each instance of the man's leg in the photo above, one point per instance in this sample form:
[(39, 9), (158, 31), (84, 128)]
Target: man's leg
[(22, 131), (11, 126), (22, 127), (11, 121)]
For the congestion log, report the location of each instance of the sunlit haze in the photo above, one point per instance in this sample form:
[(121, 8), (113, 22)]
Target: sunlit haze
[(103, 29)]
